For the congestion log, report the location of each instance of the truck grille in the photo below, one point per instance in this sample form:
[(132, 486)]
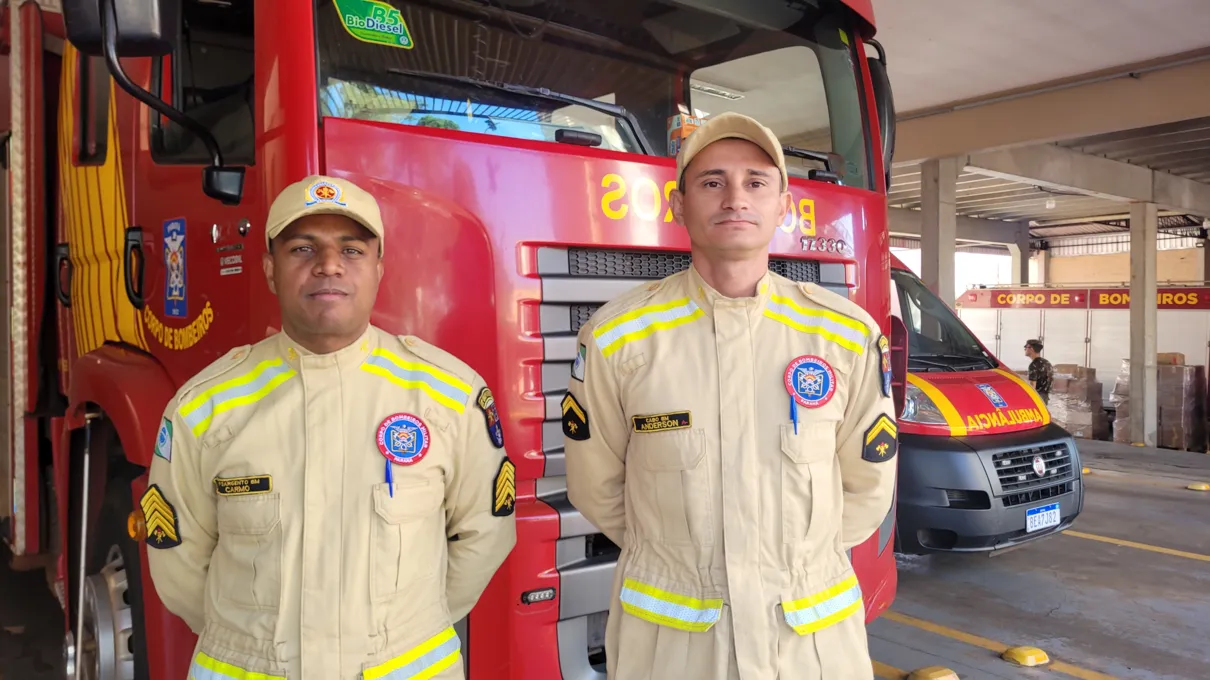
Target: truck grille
[(575, 283), (1015, 470)]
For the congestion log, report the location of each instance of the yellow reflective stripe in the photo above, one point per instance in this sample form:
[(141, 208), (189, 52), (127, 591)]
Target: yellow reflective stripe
[(206, 667), (1033, 394), (816, 612), (643, 322), (246, 389), (840, 329), (421, 662), (445, 388), (957, 427), (669, 609)]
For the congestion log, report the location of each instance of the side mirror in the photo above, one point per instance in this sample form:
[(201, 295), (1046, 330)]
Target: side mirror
[(119, 30), (145, 28), (884, 101)]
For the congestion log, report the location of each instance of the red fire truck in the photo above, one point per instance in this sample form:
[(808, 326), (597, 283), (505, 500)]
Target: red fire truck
[(521, 151)]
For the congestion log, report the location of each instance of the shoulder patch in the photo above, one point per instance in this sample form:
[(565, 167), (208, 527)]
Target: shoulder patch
[(163, 527), (487, 404), (163, 440), (504, 489), (881, 440), (575, 419)]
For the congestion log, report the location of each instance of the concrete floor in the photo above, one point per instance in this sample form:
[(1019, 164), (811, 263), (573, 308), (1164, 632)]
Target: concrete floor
[(1098, 608), (1105, 610)]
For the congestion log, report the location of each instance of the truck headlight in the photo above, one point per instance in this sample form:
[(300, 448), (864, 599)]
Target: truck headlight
[(918, 408)]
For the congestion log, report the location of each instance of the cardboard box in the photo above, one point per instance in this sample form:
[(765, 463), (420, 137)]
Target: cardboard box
[(1170, 359), (680, 127)]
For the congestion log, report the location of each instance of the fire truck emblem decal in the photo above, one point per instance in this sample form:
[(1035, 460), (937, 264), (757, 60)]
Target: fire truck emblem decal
[(993, 396), (176, 285), (323, 192)]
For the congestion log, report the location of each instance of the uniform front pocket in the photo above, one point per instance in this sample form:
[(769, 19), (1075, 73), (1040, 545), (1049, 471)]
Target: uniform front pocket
[(807, 479), (406, 536), (672, 486), (247, 559)]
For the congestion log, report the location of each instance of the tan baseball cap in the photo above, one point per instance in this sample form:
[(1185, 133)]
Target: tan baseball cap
[(731, 126), (323, 195)]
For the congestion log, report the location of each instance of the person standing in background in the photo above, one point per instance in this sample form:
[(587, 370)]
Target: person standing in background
[(1041, 373)]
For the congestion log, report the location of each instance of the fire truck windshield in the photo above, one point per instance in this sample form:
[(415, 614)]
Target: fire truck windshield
[(937, 339), (624, 75)]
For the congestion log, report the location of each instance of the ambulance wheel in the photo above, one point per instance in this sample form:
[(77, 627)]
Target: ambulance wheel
[(113, 647)]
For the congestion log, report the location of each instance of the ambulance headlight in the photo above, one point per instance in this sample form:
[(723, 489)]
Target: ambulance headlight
[(918, 408)]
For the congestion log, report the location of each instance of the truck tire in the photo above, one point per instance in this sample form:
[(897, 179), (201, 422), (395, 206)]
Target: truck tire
[(114, 644)]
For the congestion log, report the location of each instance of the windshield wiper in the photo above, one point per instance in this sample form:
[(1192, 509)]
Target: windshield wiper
[(542, 92), (935, 364), (965, 358), (834, 163)]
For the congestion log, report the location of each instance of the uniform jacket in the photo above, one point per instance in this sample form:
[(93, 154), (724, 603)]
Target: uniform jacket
[(273, 531), (733, 519)]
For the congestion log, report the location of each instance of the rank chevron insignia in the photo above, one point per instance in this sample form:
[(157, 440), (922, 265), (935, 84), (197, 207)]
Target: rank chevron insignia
[(575, 419), (163, 529), (505, 496), (881, 440)]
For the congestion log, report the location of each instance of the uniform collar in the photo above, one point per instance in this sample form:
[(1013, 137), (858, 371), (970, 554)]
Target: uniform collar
[(707, 298), (347, 357)]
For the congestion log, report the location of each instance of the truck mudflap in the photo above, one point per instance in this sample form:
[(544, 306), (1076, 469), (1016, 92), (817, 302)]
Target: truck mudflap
[(986, 493)]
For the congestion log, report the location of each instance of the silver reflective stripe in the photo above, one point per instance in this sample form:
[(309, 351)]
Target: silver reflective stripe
[(822, 610), (206, 409), (667, 609), (643, 321), (446, 648), (454, 393)]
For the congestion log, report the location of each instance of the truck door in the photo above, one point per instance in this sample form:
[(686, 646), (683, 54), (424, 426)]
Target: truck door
[(192, 288)]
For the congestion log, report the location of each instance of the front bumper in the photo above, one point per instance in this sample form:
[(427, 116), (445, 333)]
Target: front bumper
[(971, 494)]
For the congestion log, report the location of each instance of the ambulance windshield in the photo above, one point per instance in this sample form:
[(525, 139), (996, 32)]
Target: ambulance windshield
[(937, 339), (643, 71)]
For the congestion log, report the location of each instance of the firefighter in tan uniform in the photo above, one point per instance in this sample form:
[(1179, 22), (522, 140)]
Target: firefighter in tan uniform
[(733, 432), (326, 503)]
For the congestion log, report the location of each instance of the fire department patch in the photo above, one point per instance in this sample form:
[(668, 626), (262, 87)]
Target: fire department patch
[(504, 489), (163, 527), (487, 404), (881, 440), (884, 349), (577, 368), (811, 381), (163, 441), (403, 439), (575, 419), (323, 192)]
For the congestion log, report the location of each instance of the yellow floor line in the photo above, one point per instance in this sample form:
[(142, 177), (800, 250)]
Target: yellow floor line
[(1140, 546), (1160, 481), (886, 672), (991, 645)]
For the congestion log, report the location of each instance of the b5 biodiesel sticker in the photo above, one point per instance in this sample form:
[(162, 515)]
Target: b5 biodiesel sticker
[(374, 22)]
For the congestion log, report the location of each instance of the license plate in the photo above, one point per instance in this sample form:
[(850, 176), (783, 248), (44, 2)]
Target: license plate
[(1041, 517)]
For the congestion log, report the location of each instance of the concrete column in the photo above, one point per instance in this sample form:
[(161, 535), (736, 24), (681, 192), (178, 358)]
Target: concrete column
[(938, 224), (1143, 392), (1019, 249)]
